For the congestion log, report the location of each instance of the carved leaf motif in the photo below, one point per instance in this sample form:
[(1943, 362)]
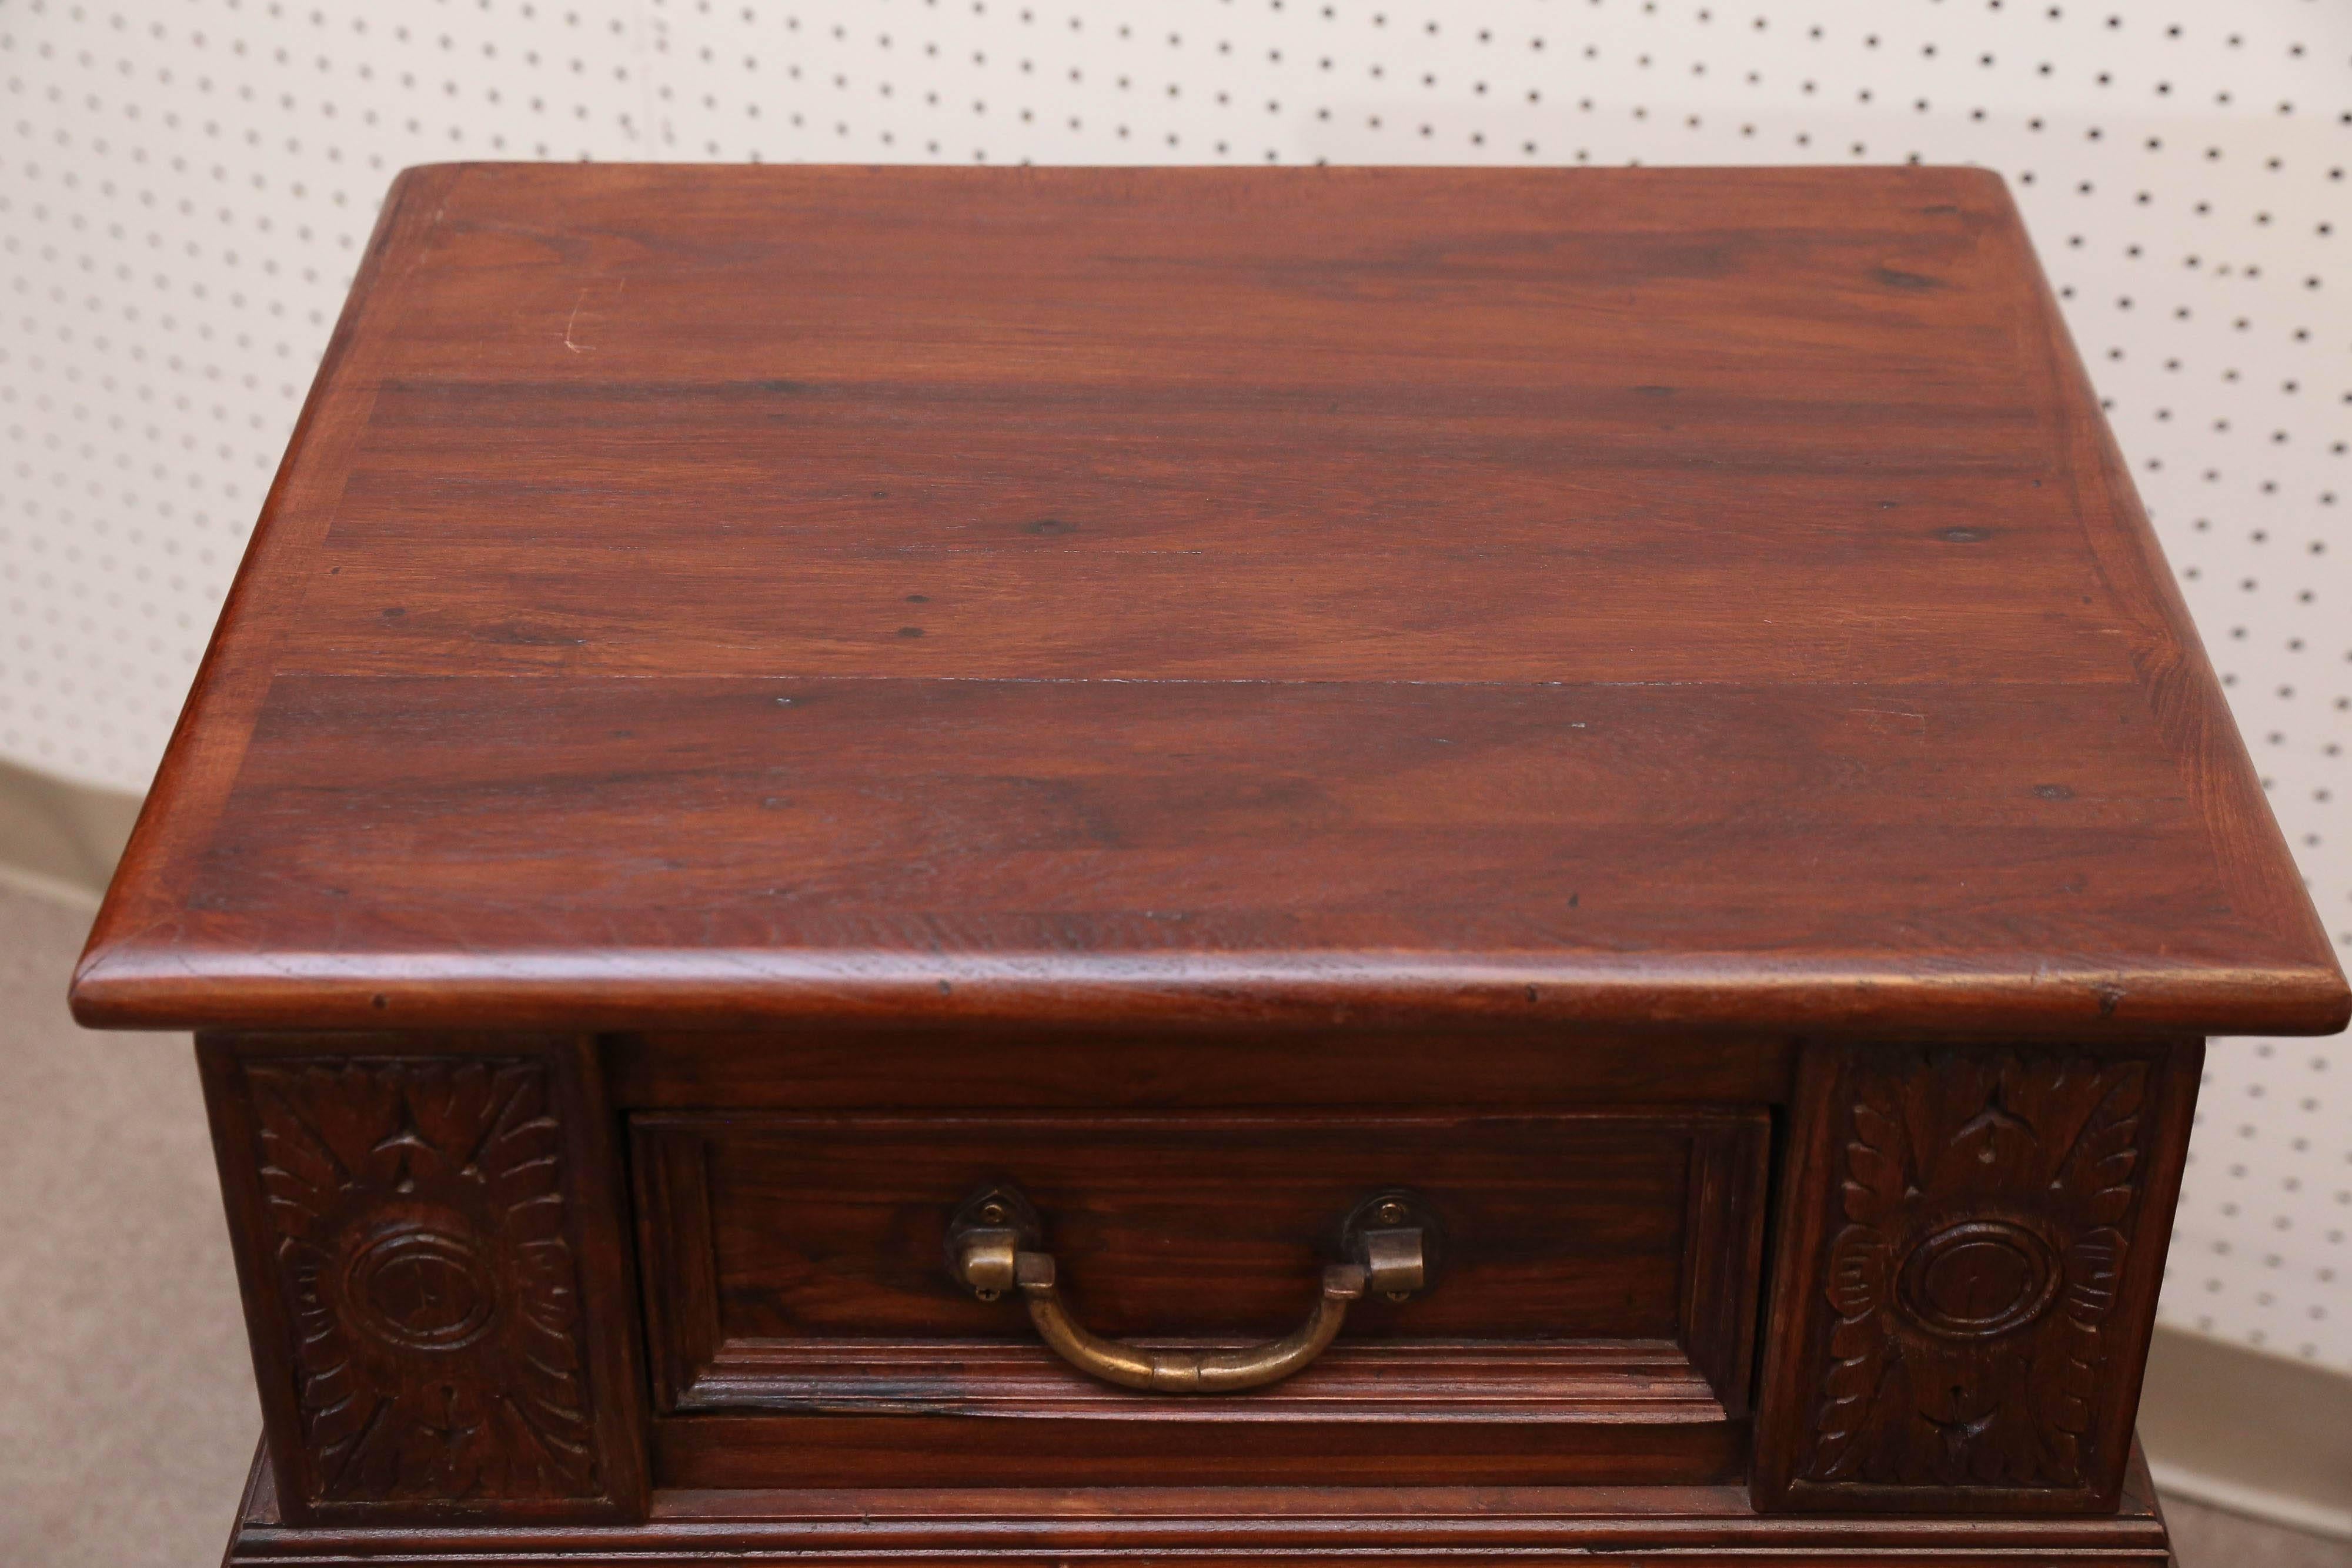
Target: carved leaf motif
[(1876, 1173), (425, 1258), (1985, 1196), (2098, 1168), (1877, 1177)]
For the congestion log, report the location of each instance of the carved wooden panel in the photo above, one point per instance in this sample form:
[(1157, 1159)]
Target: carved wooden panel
[(1969, 1274), (418, 1287)]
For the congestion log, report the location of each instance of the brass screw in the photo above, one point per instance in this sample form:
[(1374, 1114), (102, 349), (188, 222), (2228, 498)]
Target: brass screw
[(1390, 1212), (991, 1214), (988, 1295), (1400, 1296)]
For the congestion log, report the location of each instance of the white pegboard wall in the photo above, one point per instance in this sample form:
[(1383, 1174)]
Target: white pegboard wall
[(184, 186)]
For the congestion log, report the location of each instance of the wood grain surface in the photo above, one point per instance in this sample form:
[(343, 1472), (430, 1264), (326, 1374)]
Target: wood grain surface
[(709, 597)]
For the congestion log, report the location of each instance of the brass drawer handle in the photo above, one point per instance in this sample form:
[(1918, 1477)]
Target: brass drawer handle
[(992, 1245)]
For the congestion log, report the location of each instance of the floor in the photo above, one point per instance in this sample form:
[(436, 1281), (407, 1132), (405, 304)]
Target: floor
[(122, 1353)]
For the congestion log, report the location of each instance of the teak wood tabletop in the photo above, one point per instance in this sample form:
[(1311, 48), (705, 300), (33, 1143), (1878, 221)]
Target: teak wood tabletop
[(725, 595), (1540, 859)]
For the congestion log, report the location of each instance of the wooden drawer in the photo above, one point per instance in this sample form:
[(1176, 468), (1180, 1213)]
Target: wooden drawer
[(1589, 1311)]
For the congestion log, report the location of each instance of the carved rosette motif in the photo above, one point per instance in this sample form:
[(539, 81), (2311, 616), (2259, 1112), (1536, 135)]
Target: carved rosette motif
[(418, 1232), (1985, 1199)]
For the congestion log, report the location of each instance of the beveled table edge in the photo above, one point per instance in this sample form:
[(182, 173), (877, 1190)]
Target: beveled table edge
[(154, 984)]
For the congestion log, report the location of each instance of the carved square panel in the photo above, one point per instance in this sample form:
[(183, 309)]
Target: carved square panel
[(1968, 1275), (422, 1290)]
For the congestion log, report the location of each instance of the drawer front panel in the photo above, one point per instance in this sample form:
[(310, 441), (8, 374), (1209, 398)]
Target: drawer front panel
[(1591, 1274)]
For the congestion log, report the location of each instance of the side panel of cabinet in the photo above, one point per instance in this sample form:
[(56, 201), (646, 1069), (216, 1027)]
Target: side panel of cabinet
[(1965, 1274), (437, 1284)]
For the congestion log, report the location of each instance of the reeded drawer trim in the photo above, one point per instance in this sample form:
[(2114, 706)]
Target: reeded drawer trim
[(1420, 1380)]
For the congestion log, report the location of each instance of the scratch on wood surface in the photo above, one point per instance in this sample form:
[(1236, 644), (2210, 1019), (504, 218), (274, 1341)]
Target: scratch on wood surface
[(571, 321)]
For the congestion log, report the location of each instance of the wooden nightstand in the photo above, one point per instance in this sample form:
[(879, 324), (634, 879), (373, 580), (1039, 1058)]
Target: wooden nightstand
[(880, 864)]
